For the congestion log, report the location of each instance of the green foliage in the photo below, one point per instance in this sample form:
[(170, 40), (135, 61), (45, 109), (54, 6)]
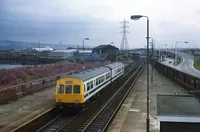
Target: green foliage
[(123, 57), (197, 62)]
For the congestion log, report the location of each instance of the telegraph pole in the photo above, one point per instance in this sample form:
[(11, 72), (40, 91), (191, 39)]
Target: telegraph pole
[(124, 42)]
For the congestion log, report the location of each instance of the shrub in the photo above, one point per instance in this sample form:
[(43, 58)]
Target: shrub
[(28, 73)]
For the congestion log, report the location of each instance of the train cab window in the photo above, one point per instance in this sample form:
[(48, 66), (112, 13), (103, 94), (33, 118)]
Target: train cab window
[(60, 88), (76, 89), (68, 89)]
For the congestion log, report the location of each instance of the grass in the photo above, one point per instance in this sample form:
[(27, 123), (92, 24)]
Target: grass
[(197, 62)]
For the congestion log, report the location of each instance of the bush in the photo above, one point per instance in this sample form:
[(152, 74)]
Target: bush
[(24, 74)]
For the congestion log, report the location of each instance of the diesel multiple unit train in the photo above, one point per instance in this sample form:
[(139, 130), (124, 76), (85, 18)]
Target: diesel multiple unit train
[(78, 89)]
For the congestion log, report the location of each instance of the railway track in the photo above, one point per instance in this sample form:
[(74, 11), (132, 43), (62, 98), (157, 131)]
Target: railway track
[(97, 119), (104, 117), (53, 120)]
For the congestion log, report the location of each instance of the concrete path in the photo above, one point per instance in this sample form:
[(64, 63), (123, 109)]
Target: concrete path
[(132, 114)]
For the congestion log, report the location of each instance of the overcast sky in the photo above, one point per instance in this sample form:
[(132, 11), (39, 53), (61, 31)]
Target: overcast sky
[(69, 21)]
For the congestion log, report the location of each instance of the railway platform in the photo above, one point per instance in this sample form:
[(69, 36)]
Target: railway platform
[(15, 113), (131, 117)]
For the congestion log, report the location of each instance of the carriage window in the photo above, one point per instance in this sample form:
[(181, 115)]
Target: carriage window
[(97, 82), (91, 83), (68, 89), (60, 88), (88, 86), (103, 78), (107, 75), (76, 89)]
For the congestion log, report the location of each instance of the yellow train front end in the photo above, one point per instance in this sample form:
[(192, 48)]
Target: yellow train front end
[(69, 92)]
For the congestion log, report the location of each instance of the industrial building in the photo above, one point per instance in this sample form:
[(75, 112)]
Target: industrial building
[(106, 49), (62, 53)]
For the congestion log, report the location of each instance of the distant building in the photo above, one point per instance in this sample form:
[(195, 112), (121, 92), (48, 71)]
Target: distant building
[(43, 49), (62, 53), (110, 52), (86, 51), (106, 49)]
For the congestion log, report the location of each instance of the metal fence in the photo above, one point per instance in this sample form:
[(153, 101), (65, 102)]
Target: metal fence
[(16, 91), (188, 81)]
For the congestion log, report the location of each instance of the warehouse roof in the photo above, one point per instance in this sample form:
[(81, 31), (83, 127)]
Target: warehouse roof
[(103, 46)]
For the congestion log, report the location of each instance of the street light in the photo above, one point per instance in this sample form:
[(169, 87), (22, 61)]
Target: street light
[(152, 45), (160, 52), (137, 17), (83, 47), (175, 58)]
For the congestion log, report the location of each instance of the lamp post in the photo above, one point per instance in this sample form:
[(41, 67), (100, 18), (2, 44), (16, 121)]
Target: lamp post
[(152, 46), (175, 58), (160, 52), (83, 47), (137, 17)]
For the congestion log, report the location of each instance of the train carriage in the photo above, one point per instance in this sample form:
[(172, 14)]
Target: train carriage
[(77, 89)]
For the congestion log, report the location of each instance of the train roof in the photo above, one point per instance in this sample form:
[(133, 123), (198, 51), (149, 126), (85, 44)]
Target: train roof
[(90, 73), (115, 65)]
